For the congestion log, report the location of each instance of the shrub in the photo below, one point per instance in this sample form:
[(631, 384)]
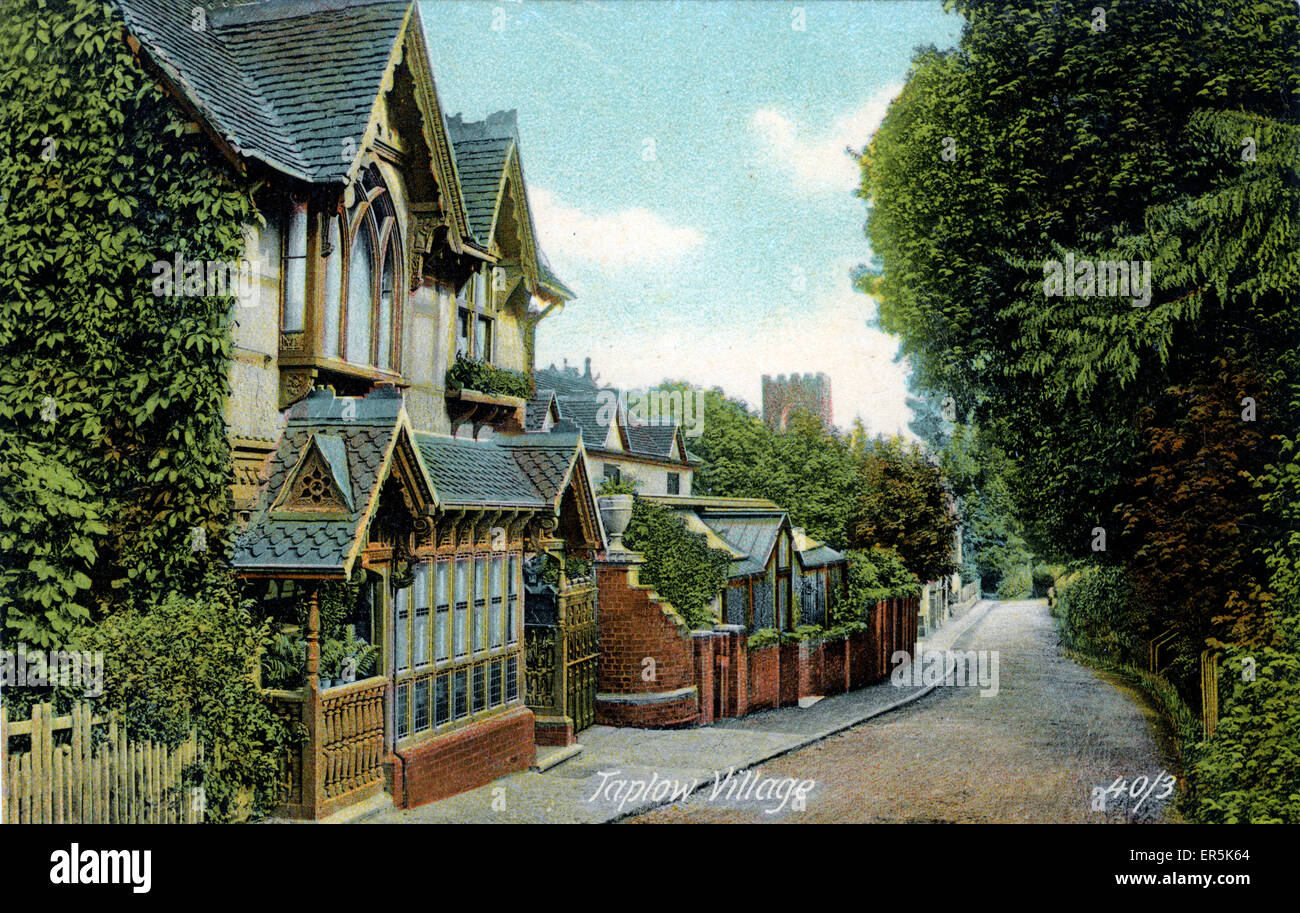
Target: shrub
[(189, 662), (1042, 580), (1099, 615), (619, 486), (472, 374), (679, 564), (805, 632), (1249, 770), (1016, 583), (874, 574), (763, 637)]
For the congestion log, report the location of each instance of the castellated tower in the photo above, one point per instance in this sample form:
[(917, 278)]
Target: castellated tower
[(782, 396)]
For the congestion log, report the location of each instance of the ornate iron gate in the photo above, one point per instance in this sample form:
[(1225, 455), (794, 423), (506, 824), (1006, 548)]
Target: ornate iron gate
[(562, 647), (581, 652)]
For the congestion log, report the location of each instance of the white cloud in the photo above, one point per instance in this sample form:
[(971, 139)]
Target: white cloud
[(818, 163), (632, 237), (828, 334)]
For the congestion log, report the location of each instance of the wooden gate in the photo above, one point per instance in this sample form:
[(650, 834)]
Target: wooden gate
[(81, 769)]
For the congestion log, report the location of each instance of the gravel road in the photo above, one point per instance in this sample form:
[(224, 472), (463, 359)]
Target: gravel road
[(1033, 752)]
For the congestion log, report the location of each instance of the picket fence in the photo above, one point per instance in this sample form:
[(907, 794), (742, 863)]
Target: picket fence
[(94, 775)]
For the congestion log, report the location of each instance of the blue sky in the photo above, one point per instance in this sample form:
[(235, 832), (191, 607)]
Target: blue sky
[(686, 168)]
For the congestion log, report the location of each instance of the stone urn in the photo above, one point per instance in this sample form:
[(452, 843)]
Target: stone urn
[(615, 514)]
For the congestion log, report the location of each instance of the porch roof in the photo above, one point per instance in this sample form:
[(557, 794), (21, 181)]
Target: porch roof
[(358, 437), (477, 474)]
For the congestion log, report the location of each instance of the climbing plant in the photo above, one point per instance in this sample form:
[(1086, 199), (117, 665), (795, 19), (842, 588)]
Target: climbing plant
[(679, 564), (111, 397)]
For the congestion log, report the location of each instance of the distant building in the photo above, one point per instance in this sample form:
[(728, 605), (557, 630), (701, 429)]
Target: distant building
[(783, 396), (619, 446)]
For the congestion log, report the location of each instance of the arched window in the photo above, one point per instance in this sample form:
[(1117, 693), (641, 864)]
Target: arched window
[(294, 268), (361, 310)]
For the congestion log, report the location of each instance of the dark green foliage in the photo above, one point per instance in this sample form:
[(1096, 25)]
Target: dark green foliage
[(574, 568), (189, 662), (284, 662), (874, 574), (763, 637), (111, 399), (482, 377), (849, 492), (1100, 616), (1043, 579), (619, 486), (679, 564), (1250, 770), (1123, 144), (1016, 583), (901, 503)]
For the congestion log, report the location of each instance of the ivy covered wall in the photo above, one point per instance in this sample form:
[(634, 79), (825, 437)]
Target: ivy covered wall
[(112, 441)]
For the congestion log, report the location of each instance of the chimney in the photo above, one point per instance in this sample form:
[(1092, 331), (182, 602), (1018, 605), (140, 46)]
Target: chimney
[(588, 362)]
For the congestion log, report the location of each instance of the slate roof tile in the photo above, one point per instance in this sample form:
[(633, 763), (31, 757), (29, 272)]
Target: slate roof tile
[(284, 82), (476, 472)]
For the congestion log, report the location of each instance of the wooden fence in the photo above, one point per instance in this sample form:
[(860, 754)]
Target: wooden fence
[(94, 774)]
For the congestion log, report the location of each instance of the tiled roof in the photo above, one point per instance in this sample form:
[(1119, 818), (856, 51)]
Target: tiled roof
[(565, 381), (821, 556), (537, 408), (587, 414), (483, 152), (753, 535), (652, 439), (285, 82), (356, 436), (546, 459), (745, 567), (476, 473), (481, 164)]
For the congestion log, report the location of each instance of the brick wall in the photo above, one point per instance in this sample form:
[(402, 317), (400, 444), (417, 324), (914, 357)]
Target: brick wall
[(859, 659), (464, 759), (701, 676), (764, 678), (835, 666), (636, 626)]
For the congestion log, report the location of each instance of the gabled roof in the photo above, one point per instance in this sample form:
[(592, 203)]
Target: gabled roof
[(358, 438), (488, 161), (555, 463), (590, 415), (749, 528), (547, 460), (284, 82), (651, 438), (295, 84), (539, 408), (755, 536)]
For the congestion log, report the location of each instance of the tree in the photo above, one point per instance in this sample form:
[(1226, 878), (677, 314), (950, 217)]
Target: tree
[(1123, 144), (902, 504), (112, 399)]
